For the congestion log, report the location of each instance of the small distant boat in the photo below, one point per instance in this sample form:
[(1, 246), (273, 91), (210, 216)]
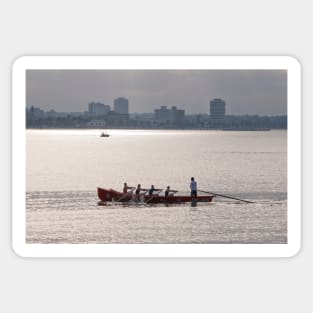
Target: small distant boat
[(113, 195), (104, 135)]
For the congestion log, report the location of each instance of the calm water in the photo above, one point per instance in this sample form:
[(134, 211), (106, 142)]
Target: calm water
[(64, 167)]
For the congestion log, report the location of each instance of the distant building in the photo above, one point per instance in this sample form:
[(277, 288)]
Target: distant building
[(54, 114), (121, 105), (177, 117), (35, 113), (162, 115), (98, 108), (170, 117), (96, 123), (117, 119), (217, 108), (76, 114)]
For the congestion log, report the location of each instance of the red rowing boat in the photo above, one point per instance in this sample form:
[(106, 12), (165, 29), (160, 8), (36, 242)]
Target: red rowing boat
[(113, 195)]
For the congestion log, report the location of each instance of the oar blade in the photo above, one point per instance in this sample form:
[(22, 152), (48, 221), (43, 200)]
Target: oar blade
[(225, 196)]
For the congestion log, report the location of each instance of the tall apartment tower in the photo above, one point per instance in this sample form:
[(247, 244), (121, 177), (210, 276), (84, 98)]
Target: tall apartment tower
[(217, 108), (98, 108), (171, 116), (121, 105)]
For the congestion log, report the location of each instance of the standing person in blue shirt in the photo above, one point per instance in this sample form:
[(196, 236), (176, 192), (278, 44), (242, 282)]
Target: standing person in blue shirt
[(193, 187)]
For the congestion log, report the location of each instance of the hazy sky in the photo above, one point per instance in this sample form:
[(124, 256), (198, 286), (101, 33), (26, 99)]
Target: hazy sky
[(245, 91)]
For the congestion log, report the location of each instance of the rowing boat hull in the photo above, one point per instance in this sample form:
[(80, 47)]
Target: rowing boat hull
[(106, 195)]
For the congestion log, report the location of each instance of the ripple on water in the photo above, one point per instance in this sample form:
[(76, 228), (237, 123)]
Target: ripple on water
[(75, 217)]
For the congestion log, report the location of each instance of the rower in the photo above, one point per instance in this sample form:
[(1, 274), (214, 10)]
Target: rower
[(169, 192), (125, 188), (138, 191), (152, 190)]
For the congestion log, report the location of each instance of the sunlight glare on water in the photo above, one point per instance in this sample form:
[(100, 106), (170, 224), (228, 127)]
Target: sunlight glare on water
[(64, 168)]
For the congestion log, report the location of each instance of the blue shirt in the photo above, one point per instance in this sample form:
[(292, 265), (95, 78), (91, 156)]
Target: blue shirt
[(193, 185)]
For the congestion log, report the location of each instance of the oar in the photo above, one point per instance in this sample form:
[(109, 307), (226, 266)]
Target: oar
[(153, 196), (217, 194), (143, 194), (173, 191)]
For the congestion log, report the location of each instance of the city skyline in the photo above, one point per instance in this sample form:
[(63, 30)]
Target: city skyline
[(261, 92)]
